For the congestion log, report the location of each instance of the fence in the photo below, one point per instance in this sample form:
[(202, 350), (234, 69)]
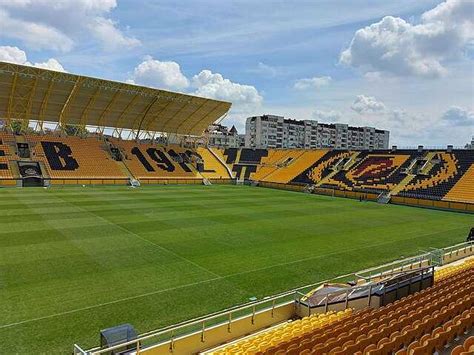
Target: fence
[(372, 196), (368, 294), (202, 327), (203, 324), (435, 204), (456, 252), (120, 181)]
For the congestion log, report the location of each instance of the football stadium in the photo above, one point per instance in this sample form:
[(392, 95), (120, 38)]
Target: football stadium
[(118, 240)]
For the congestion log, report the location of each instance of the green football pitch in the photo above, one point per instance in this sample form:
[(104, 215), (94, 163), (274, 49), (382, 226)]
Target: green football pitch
[(76, 260)]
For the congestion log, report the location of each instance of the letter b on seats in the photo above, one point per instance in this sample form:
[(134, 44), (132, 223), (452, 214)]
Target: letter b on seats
[(59, 156)]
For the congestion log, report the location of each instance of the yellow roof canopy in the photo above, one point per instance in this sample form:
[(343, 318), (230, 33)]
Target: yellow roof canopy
[(28, 93)]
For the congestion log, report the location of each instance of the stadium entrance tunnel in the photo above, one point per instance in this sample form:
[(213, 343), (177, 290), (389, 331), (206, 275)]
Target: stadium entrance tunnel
[(32, 182), (391, 287), (31, 175)]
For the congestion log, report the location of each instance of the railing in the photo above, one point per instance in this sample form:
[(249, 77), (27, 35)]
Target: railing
[(76, 350), (430, 147), (347, 293), (366, 288), (202, 324), (457, 247), (390, 268)]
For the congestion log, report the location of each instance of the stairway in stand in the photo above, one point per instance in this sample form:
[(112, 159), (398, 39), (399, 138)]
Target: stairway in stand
[(429, 164), (221, 160), (237, 157), (124, 169), (406, 180)]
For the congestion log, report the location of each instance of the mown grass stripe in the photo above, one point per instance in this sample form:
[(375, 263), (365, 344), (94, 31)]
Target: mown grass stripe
[(67, 250)]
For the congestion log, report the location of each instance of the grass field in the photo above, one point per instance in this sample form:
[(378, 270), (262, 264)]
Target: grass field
[(75, 260)]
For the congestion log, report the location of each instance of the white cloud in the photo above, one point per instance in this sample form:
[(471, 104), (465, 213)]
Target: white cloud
[(34, 35), (312, 83), (245, 99), (12, 55), (398, 47), (215, 86), (18, 56), (327, 116), (264, 70), (57, 25), (367, 104), (51, 64), (106, 31), (162, 75), (458, 116)]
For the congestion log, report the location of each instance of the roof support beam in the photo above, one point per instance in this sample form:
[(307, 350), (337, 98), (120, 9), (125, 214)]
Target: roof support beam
[(172, 117), (69, 99), (191, 115), (29, 104), (107, 108), (145, 113), (157, 114), (124, 113), (85, 112), (44, 104), (210, 112), (10, 99)]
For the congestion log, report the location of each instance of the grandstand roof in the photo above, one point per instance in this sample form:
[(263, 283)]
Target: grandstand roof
[(29, 93)]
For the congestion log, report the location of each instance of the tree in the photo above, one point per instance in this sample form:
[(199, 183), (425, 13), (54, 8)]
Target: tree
[(75, 130), (16, 126)]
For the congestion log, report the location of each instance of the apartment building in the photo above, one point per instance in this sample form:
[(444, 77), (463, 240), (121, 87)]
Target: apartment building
[(269, 131), (223, 137)]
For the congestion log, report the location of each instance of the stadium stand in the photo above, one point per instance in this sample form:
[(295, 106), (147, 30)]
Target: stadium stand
[(444, 178), (290, 165), (271, 163), (447, 171), (451, 270), (269, 342), (145, 160), (213, 168), (6, 159), (322, 169), (74, 157), (373, 172), (411, 174), (421, 323), (435, 175), (463, 190), (244, 161)]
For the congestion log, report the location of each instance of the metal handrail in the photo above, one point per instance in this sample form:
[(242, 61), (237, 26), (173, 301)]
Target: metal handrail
[(251, 306), (458, 246), (397, 263), (77, 350), (220, 314)]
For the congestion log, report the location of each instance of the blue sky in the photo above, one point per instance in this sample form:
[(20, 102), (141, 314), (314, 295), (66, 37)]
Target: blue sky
[(404, 65)]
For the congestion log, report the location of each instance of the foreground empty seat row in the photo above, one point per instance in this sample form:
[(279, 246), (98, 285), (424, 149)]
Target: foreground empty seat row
[(269, 341), (466, 348), (416, 324)]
